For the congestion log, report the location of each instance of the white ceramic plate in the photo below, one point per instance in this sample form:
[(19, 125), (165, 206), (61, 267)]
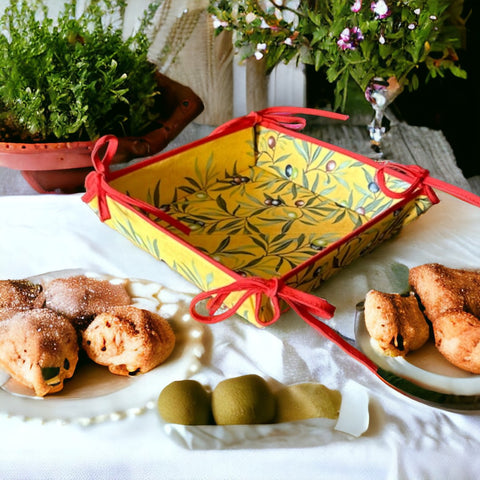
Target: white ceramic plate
[(425, 367), (94, 394)]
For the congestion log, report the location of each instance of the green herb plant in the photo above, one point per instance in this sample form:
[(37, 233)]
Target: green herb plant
[(75, 76)]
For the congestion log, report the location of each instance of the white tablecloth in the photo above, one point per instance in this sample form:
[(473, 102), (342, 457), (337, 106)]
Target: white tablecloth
[(405, 439)]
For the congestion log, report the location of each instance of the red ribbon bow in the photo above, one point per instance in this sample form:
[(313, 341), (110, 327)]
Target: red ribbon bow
[(414, 174), (286, 117), (97, 185), (304, 304)]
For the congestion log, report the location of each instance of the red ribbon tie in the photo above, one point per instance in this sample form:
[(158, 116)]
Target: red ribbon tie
[(305, 304), (414, 174), (97, 185)]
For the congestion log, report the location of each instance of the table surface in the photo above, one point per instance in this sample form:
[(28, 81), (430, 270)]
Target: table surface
[(405, 439)]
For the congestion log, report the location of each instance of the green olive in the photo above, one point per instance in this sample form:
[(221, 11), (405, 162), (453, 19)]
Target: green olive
[(185, 402)]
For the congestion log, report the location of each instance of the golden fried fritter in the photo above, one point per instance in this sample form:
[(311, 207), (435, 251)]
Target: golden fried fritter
[(39, 349), (441, 289), (395, 322), (128, 340), (457, 337)]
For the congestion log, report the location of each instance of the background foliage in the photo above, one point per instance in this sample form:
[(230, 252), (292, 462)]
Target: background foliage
[(74, 77), (349, 39)]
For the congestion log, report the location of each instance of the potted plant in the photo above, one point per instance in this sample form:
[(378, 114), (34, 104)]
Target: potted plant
[(379, 44), (69, 79)]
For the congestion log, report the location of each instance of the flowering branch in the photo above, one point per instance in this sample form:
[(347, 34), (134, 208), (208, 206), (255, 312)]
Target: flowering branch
[(357, 39), (286, 8)]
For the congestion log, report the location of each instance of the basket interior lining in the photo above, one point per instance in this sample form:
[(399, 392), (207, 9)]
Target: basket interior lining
[(256, 223), (261, 211)]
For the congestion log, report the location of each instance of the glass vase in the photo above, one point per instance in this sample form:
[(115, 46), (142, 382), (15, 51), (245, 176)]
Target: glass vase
[(380, 93)]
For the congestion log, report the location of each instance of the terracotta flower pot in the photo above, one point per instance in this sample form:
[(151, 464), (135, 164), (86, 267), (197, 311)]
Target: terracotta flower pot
[(62, 167)]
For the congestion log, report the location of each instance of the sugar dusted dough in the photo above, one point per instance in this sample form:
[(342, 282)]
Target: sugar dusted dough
[(39, 349), (128, 340), (450, 300), (441, 289), (20, 295), (80, 297), (41, 327)]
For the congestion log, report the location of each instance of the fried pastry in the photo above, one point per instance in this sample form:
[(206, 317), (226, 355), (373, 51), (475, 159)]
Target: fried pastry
[(6, 313), (39, 349), (395, 322), (451, 298), (128, 340), (20, 295), (457, 337), (79, 298), (441, 289)]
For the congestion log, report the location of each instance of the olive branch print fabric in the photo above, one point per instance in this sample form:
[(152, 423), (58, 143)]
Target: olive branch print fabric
[(260, 202)]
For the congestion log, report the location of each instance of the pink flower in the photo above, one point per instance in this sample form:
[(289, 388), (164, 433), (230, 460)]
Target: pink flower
[(380, 9), (218, 23), (357, 5), (344, 41), (350, 38)]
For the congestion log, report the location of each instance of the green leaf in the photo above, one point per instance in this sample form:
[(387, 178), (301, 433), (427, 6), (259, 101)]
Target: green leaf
[(221, 203)]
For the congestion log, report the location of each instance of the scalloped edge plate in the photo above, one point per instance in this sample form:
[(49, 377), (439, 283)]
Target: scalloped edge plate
[(94, 394)]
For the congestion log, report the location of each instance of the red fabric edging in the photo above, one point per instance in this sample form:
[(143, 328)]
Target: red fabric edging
[(97, 185)]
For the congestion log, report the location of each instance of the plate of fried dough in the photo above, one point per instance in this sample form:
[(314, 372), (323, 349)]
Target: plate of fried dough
[(85, 347), (428, 334)]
